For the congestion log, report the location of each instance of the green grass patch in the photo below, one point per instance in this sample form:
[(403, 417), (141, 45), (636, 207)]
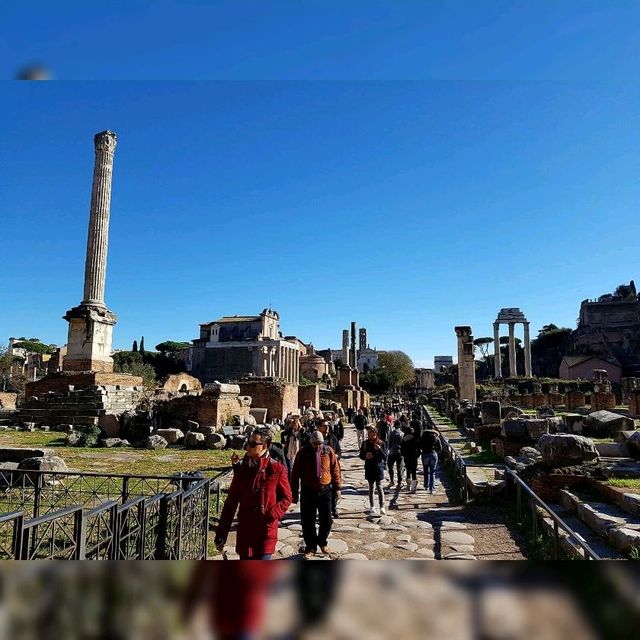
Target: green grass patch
[(122, 460), (624, 483)]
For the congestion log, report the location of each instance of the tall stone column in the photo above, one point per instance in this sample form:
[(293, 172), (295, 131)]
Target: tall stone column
[(354, 358), (497, 361), (466, 364), (513, 371), (527, 351), (95, 266), (91, 323), (345, 347)]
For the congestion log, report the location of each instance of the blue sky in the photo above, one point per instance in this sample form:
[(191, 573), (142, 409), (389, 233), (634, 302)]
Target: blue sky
[(499, 168)]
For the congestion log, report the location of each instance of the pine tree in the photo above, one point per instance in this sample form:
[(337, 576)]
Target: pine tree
[(142, 344), (134, 348)]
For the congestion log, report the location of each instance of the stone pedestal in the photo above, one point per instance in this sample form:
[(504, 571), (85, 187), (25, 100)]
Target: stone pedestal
[(556, 399), (575, 400), (602, 401), (89, 339)]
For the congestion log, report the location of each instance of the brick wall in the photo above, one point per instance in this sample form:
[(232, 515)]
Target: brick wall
[(309, 395), (279, 398)]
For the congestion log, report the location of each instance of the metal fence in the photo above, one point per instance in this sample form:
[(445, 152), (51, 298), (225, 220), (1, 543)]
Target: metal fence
[(58, 515), (534, 503)]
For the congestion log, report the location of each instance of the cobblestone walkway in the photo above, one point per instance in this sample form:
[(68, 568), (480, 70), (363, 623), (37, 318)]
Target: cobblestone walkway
[(416, 526)]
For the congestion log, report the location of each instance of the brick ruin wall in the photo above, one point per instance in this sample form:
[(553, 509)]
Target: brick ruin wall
[(309, 395), (207, 410), (279, 398)]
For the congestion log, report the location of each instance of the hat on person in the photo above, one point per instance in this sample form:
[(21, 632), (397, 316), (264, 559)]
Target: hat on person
[(317, 438)]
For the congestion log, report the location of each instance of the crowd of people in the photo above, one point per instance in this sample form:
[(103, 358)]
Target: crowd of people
[(305, 466)]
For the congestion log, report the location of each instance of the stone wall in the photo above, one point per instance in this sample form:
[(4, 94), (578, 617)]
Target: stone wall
[(309, 395), (278, 397), (217, 404), (8, 401), (60, 382), (100, 406), (182, 382)]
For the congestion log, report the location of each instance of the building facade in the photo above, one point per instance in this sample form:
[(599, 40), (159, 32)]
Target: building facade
[(236, 346)]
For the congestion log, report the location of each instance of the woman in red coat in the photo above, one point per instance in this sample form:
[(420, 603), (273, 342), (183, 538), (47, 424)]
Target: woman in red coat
[(260, 488)]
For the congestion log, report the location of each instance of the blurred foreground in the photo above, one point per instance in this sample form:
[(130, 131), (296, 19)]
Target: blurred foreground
[(369, 600)]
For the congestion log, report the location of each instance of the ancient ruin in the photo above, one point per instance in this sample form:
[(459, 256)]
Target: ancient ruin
[(466, 364), (511, 317)]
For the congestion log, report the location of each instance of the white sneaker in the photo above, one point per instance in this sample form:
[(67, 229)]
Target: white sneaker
[(383, 511), (374, 511)]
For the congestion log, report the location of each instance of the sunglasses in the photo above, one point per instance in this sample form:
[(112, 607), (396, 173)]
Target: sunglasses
[(252, 444)]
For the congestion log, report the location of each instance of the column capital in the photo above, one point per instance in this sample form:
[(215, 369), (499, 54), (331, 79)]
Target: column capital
[(105, 141)]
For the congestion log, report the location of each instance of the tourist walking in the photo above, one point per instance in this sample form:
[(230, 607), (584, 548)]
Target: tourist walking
[(430, 445), (374, 453), (383, 430), (394, 456), (360, 422), (261, 494), (331, 440), (410, 450), (293, 438), (314, 479)]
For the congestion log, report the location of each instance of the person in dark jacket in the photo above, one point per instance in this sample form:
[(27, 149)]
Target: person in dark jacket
[(430, 445), (374, 453), (293, 438), (360, 423), (394, 458), (331, 440), (410, 451), (383, 430), (315, 477), (261, 493)]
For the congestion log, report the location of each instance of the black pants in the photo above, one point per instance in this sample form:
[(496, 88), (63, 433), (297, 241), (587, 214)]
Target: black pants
[(311, 503), (395, 459), (411, 465)]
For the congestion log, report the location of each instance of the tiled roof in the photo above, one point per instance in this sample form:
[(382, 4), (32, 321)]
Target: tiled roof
[(572, 361), (227, 319)]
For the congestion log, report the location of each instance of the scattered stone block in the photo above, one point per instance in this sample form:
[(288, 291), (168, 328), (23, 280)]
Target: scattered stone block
[(74, 438), (537, 428), (564, 449), (194, 440), (43, 463), (109, 443), (206, 431), (215, 441), (172, 436), (155, 442), (28, 426), (606, 423)]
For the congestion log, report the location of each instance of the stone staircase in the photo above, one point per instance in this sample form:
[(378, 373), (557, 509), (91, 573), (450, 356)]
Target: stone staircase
[(611, 531)]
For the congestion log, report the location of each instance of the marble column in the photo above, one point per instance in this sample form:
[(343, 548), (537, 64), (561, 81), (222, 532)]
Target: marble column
[(527, 351), (89, 340), (95, 266), (496, 350), (513, 371)]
